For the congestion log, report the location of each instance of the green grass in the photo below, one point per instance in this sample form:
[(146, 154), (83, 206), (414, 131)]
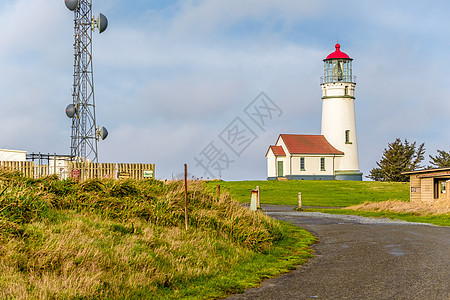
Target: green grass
[(330, 194), (106, 239), (316, 193), (247, 273)]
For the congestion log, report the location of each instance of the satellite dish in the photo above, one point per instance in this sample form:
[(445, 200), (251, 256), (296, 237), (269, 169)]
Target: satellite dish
[(72, 4), (102, 23), (71, 110), (103, 133)]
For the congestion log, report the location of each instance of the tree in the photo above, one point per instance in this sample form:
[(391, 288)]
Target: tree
[(442, 160), (397, 158)]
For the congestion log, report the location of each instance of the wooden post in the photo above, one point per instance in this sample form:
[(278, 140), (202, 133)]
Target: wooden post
[(258, 199), (185, 197), (218, 191), (299, 200), (54, 164), (254, 199)]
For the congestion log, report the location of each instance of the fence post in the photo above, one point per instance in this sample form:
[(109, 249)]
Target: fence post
[(218, 191), (254, 200), (258, 200), (185, 197), (299, 200)]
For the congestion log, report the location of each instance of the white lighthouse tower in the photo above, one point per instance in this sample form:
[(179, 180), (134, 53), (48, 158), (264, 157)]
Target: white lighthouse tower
[(338, 113)]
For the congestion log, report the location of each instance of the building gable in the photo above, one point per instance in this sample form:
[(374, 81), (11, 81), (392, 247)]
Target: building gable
[(276, 150)]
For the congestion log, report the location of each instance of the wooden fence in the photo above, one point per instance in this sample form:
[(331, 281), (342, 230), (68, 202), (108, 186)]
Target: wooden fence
[(83, 171), (26, 167)]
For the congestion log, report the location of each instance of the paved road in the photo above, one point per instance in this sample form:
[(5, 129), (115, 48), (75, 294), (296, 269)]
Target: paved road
[(361, 258)]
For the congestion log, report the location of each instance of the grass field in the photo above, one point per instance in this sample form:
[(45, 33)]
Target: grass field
[(316, 193), (322, 195)]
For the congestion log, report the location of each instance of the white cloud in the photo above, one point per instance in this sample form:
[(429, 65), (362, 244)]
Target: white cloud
[(207, 17)]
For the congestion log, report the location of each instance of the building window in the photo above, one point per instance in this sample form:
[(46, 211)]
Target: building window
[(347, 137), (322, 164), (443, 187), (346, 90), (302, 164)]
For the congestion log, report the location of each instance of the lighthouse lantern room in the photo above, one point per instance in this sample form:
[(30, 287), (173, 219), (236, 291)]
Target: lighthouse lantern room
[(338, 67)]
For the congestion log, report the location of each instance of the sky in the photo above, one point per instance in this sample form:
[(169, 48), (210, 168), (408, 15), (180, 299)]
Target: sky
[(173, 78)]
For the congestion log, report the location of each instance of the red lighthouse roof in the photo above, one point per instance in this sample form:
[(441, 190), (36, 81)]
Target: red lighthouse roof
[(338, 53)]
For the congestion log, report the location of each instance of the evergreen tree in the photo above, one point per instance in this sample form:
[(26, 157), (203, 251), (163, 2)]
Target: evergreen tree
[(442, 160), (397, 158)]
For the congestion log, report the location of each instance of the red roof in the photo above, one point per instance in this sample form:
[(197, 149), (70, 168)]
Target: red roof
[(277, 150), (338, 53), (308, 144)]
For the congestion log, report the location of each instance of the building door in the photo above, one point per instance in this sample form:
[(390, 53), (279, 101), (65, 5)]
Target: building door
[(280, 168), (440, 188)]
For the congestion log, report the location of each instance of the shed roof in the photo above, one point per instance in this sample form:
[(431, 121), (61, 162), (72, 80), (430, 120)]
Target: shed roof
[(439, 172), (308, 144)]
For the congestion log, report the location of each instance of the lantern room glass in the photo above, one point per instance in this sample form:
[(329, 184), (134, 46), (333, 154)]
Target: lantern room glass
[(338, 70)]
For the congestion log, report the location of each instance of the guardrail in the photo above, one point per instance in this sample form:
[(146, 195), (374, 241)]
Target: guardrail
[(336, 78)]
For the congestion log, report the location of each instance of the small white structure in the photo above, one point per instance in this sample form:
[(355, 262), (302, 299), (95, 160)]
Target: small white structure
[(59, 165), (334, 153), (12, 155)]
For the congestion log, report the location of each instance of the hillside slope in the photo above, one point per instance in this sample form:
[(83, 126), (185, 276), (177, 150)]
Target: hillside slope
[(126, 239)]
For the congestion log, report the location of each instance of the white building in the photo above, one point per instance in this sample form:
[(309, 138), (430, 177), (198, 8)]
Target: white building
[(12, 155), (334, 153)]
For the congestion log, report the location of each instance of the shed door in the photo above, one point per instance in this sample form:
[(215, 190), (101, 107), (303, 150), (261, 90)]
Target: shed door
[(280, 169)]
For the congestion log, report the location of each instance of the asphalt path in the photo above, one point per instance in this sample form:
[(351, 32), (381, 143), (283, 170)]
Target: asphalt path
[(363, 258)]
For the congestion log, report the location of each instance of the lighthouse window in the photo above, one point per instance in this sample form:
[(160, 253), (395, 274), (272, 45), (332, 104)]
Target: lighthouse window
[(347, 137)]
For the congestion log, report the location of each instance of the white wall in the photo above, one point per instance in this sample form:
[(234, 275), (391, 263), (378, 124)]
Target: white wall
[(338, 115), (312, 165), (271, 164)]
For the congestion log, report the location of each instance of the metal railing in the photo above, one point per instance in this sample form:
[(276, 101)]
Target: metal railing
[(336, 78)]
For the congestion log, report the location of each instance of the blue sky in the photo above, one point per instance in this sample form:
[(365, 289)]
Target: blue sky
[(171, 76)]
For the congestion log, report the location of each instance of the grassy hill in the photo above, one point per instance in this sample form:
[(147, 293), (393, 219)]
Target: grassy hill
[(316, 193), (106, 239)]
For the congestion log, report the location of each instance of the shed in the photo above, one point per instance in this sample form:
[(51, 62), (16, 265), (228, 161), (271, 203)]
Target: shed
[(429, 185)]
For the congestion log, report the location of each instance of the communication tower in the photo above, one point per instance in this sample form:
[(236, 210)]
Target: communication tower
[(85, 132)]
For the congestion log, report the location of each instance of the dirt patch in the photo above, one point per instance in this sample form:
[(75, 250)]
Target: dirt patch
[(437, 207)]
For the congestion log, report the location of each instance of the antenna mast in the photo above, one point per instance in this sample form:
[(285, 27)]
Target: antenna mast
[(85, 132)]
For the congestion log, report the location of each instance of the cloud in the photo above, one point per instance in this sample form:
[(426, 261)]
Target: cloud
[(171, 75), (207, 17)]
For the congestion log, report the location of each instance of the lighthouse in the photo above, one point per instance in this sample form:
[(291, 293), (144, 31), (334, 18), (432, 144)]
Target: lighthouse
[(338, 113), (332, 155)]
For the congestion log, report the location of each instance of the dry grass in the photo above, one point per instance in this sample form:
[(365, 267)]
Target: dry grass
[(438, 207), (118, 239), (82, 257)]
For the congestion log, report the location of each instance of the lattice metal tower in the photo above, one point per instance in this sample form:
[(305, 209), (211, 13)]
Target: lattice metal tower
[(85, 133)]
